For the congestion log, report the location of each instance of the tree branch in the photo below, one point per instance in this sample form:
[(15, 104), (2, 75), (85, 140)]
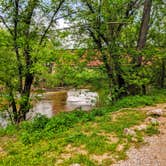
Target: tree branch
[(28, 18), (129, 12), (15, 37), (5, 24), (97, 41), (51, 21), (90, 6)]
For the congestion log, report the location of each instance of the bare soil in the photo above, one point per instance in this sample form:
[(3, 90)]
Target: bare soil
[(153, 153)]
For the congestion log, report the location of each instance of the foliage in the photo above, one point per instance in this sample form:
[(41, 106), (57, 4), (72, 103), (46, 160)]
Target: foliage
[(43, 141), (23, 37), (152, 129), (41, 55), (34, 53), (64, 121)]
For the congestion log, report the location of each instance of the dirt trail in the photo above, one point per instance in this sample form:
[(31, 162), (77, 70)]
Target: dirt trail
[(154, 152)]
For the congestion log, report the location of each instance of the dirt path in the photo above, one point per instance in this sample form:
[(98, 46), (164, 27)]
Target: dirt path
[(154, 152)]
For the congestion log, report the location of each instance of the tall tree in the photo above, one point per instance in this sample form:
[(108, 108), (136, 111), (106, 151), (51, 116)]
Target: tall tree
[(28, 23), (145, 24), (104, 21)]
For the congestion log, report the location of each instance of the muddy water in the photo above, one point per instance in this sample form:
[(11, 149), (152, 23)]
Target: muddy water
[(60, 101), (63, 101), (3, 122)]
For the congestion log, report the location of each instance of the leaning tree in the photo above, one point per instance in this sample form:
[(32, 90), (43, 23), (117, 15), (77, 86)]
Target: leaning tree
[(26, 25)]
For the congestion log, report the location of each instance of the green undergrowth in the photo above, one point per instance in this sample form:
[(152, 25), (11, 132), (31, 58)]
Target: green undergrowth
[(90, 135)]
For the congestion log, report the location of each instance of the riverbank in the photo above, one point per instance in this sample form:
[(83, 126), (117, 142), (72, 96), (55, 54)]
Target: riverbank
[(87, 138), (53, 101), (153, 152)]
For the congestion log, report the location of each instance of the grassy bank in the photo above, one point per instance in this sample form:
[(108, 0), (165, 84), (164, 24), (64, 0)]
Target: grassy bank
[(93, 138)]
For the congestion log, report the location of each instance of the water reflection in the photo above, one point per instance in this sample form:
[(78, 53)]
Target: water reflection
[(63, 101), (3, 122)]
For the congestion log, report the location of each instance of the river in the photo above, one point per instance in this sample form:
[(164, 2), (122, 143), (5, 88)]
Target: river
[(53, 102)]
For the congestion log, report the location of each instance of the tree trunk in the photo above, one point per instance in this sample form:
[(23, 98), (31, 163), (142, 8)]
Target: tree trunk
[(162, 82), (16, 47), (13, 105), (143, 89), (144, 28), (143, 34), (25, 105)]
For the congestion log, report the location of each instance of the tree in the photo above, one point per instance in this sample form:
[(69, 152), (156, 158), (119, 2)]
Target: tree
[(109, 24), (28, 24), (157, 35), (145, 24), (103, 21)]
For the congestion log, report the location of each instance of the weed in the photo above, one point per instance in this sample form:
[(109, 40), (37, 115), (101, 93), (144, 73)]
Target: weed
[(43, 140), (152, 129)]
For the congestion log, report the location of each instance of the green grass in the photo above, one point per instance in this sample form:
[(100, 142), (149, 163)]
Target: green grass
[(128, 119), (152, 129), (44, 141), (83, 159)]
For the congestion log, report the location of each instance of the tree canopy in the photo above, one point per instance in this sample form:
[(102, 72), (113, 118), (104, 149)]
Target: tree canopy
[(128, 35)]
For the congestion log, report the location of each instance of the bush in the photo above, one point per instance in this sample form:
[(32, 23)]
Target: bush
[(43, 127), (37, 124), (40, 122)]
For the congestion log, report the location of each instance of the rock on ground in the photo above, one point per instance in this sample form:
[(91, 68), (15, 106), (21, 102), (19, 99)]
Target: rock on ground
[(158, 112), (151, 154), (76, 164), (130, 132), (152, 120)]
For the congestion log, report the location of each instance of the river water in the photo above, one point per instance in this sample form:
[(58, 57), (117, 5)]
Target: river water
[(53, 102), (63, 101)]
